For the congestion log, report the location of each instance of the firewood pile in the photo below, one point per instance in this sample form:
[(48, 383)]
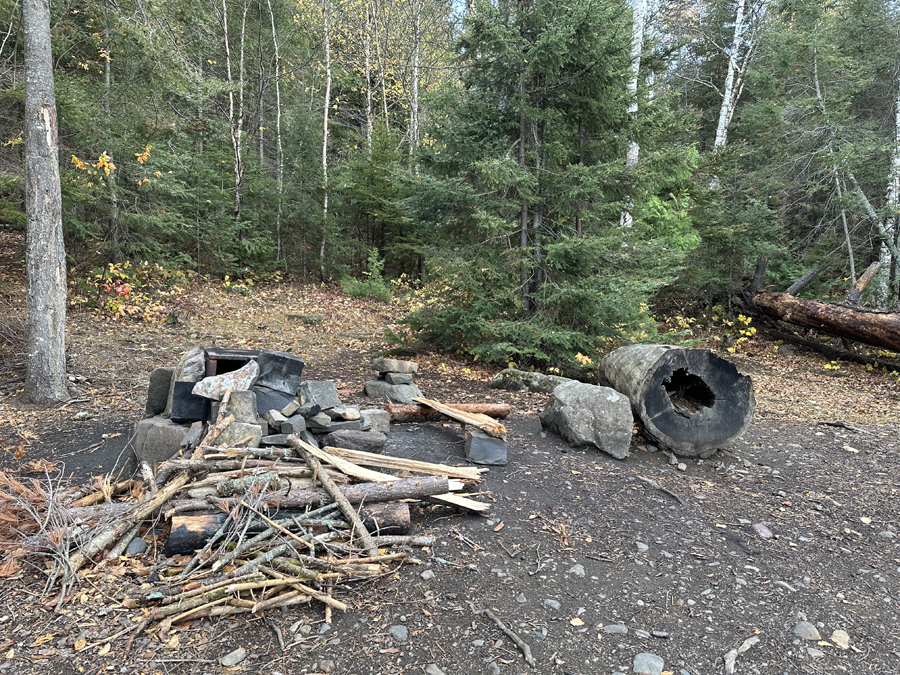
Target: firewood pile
[(230, 529)]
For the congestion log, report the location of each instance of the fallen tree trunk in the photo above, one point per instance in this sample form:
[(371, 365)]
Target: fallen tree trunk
[(408, 414), (688, 400), (874, 328), (191, 530)]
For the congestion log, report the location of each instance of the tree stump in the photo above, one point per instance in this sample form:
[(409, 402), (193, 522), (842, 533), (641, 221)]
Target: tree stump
[(687, 400)]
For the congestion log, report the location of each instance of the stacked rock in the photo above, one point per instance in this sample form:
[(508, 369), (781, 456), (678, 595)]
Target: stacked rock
[(395, 381)]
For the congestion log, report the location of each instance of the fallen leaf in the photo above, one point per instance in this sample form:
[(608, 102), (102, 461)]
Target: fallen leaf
[(499, 527), (576, 622), (173, 642), (80, 644), (104, 650), (42, 639)]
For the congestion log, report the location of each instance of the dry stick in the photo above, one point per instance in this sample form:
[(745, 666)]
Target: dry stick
[(242, 547), (659, 487), (321, 597), (278, 527), (274, 601), (404, 540), (336, 494), (364, 561), (111, 533), (520, 643)]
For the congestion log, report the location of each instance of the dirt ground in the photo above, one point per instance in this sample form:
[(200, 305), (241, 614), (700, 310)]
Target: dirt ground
[(588, 560)]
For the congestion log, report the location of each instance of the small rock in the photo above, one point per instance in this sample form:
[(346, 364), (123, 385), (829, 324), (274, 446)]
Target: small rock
[(660, 634), (887, 534), (815, 653), (641, 633), (648, 664), (234, 658), (427, 575), (136, 546), (324, 628), (398, 378), (807, 631), (326, 666), (394, 366), (399, 633), (681, 466), (673, 460), (840, 639), (763, 531), (478, 643), (552, 604), (577, 570), (494, 668), (615, 629), (520, 598), (641, 547), (82, 416), (432, 669)]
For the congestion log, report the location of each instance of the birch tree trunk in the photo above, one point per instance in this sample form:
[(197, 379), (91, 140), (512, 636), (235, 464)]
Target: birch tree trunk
[(368, 69), (414, 81), (45, 257), (279, 148), (884, 298), (235, 111), (729, 99), (637, 43)]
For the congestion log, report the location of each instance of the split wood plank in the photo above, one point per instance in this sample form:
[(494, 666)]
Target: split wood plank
[(488, 425), (388, 462)]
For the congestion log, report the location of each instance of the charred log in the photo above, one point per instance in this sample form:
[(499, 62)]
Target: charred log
[(688, 400)]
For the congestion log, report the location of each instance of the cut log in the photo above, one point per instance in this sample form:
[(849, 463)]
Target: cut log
[(191, 530), (879, 329), (402, 464), (486, 424), (687, 400), (411, 414)]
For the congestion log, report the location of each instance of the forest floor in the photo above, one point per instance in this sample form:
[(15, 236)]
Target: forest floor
[(580, 556)]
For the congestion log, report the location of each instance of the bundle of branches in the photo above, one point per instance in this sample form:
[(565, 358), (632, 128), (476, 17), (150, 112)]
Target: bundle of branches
[(248, 528)]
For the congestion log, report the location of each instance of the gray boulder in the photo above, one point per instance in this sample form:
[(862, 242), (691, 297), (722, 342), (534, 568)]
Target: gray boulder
[(323, 392), (511, 379), (395, 393), (378, 420), (484, 449), (585, 414), (191, 368), (156, 439)]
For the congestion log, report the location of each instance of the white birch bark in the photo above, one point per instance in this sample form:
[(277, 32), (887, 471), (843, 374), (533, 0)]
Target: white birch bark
[(45, 256), (368, 69), (637, 42), (883, 294), (279, 148), (414, 83), (235, 111), (729, 98)]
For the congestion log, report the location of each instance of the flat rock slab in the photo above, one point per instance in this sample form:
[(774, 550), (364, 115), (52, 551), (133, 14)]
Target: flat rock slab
[(366, 441), (398, 378), (484, 449), (270, 399), (585, 414), (237, 380), (394, 366), (238, 432), (242, 404), (322, 392), (394, 393), (280, 371), (158, 391), (156, 439), (184, 406)]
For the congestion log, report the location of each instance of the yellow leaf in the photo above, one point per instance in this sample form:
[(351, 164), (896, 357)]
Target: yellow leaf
[(104, 650), (577, 473), (173, 642), (42, 639), (10, 653), (499, 527), (576, 622), (80, 644)]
